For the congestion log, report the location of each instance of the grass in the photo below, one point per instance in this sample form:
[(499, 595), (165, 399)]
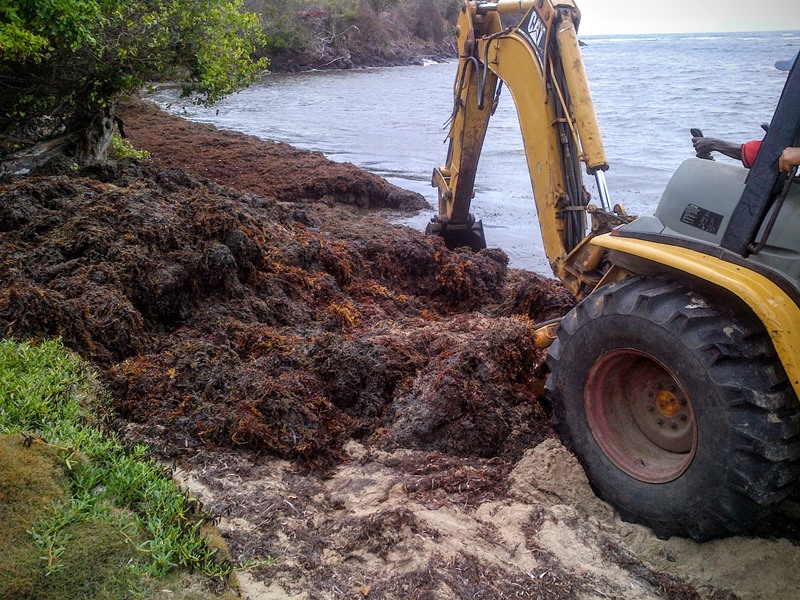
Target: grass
[(83, 516)]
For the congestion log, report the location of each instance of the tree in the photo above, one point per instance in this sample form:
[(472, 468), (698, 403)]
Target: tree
[(64, 64)]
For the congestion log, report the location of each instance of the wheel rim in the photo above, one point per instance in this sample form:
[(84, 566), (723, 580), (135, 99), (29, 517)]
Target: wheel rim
[(640, 415)]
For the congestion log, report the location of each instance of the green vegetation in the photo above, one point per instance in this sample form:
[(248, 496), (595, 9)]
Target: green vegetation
[(121, 148), (362, 27), (65, 63), (82, 516)]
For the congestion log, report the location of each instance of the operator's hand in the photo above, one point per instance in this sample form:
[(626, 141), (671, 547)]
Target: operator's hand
[(789, 158), (704, 146)]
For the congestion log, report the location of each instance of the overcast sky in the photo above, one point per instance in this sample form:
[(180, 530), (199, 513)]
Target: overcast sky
[(703, 16)]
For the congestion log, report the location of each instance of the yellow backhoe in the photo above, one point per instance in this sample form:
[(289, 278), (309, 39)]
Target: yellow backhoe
[(675, 380)]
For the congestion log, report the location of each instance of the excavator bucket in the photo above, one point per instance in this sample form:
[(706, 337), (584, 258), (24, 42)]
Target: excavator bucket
[(459, 236)]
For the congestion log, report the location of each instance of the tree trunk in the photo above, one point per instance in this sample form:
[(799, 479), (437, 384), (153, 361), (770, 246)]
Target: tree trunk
[(87, 142), (94, 140), (30, 159)]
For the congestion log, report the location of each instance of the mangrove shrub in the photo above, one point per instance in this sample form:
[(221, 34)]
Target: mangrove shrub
[(64, 64)]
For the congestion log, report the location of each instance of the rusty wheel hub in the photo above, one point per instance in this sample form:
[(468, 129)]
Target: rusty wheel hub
[(640, 415)]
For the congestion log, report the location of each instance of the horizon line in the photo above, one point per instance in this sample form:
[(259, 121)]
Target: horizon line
[(796, 31)]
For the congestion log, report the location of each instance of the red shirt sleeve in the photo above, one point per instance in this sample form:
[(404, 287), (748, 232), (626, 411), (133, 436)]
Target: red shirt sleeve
[(749, 151)]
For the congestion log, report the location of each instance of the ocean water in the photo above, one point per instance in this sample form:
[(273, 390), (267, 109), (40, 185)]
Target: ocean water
[(648, 92)]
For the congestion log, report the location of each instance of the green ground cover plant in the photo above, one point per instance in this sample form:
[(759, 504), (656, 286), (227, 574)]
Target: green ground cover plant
[(82, 515)]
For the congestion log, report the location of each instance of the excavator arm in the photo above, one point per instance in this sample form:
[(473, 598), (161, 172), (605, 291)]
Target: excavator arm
[(539, 60)]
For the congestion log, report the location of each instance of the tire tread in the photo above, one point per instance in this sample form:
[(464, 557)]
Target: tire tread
[(738, 353)]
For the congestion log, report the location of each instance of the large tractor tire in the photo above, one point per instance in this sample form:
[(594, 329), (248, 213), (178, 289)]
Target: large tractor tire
[(680, 413)]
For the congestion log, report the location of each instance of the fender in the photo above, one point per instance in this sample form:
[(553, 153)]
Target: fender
[(776, 310)]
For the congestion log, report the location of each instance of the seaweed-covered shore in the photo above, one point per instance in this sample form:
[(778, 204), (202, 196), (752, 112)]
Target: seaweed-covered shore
[(351, 398), (282, 315)]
